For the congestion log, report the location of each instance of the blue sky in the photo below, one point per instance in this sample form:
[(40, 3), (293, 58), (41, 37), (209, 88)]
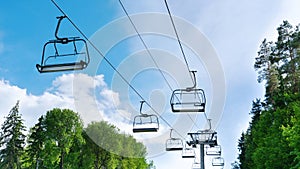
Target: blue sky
[(234, 28)]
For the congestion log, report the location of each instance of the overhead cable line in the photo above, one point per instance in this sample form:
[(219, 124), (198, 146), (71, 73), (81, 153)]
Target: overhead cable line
[(180, 45), (110, 64), (150, 54), (178, 39)]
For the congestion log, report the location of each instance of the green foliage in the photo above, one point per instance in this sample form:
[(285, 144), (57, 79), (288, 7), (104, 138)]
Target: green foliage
[(63, 128), (12, 140), (291, 132), (58, 140), (111, 149), (52, 141), (35, 141), (272, 139)]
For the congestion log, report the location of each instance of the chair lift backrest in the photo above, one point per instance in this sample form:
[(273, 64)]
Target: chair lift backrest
[(189, 99), (65, 66), (145, 126)]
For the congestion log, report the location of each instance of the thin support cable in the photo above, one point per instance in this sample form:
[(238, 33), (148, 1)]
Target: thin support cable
[(180, 45), (150, 54), (178, 39), (111, 65)]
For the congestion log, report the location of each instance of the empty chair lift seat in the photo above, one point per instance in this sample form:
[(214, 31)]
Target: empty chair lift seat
[(188, 100), (61, 54)]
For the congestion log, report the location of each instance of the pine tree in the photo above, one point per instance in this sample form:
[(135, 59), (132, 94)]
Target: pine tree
[(12, 139), (36, 139), (271, 140)]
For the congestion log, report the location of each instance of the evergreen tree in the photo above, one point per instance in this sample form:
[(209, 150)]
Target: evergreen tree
[(291, 132), (266, 66), (36, 140), (12, 139), (272, 139)]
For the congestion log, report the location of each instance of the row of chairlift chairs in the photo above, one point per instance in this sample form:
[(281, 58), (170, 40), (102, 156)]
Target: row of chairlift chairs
[(217, 161), (206, 137), (186, 100), (61, 54)]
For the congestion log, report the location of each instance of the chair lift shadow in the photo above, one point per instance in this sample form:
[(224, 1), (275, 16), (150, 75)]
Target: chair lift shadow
[(145, 122), (189, 99), (61, 54), (174, 144)]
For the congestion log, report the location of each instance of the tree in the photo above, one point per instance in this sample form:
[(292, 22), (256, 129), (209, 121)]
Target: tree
[(12, 139), (111, 149), (287, 48), (35, 144), (266, 66), (63, 127), (291, 133), (56, 140), (272, 139), (59, 141), (246, 144), (235, 165), (103, 141)]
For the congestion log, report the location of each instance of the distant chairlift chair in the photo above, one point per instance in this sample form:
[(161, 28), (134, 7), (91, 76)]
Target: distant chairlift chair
[(61, 54), (196, 165), (145, 122), (189, 99), (174, 144), (188, 152), (214, 150), (218, 161), (207, 137)]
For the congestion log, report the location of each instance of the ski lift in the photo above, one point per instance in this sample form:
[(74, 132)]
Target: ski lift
[(188, 152), (196, 165), (218, 161), (207, 136), (214, 150), (61, 54), (189, 99), (174, 144), (145, 122)]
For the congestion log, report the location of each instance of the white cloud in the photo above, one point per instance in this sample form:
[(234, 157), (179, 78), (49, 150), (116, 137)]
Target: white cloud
[(60, 94), (31, 106), (89, 96)]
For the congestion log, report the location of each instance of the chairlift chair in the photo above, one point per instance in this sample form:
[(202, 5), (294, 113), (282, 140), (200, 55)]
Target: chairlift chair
[(218, 161), (196, 165), (188, 152), (189, 99), (207, 136), (61, 54), (145, 122), (214, 150), (174, 144)]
